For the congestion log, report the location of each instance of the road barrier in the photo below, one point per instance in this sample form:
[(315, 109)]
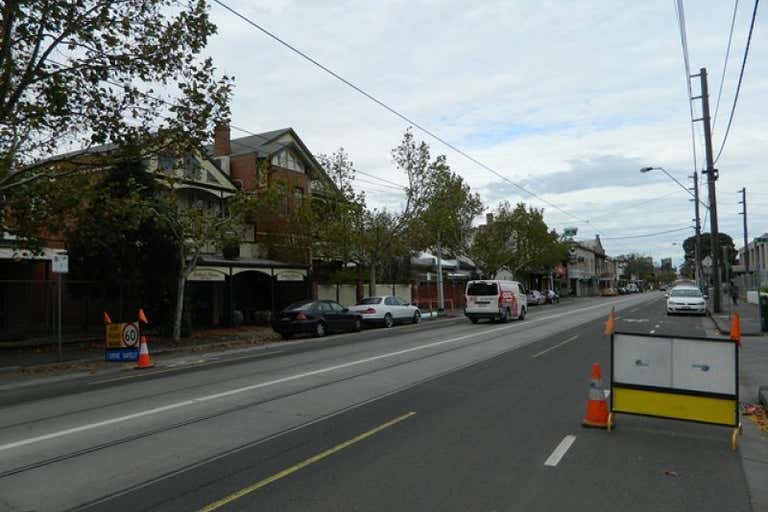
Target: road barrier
[(676, 377)]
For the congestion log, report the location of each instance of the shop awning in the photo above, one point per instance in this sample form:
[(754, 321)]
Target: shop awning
[(216, 269)]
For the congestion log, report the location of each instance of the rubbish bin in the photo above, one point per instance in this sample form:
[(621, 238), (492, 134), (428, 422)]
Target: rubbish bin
[(763, 307)]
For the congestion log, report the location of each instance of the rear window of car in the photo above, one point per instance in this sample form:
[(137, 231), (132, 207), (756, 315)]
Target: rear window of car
[(370, 300), (685, 292), (483, 289), (301, 305)]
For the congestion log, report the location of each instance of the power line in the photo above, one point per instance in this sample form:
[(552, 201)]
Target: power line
[(647, 234), (361, 180), (725, 64), (394, 111), (380, 179), (741, 77), (687, 66)]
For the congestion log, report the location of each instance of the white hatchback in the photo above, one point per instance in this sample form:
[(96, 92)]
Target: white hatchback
[(685, 299), (387, 310)]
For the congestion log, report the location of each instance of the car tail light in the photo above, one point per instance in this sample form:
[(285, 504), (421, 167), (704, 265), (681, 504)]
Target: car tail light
[(301, 316), (369, 311), (501, 299)]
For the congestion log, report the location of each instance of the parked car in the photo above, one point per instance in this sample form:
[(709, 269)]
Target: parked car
[(622, 290), (317, 317), (495, 300), (686, 299), (535, 297), (386, 310), (632, 288), (551, 296)]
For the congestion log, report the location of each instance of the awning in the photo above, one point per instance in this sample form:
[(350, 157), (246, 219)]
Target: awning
[(9, 253), (216, 269)]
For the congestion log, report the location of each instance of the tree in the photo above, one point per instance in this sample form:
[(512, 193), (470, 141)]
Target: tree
[(516, 240), (726, 244), (79, 74), (637, 265)]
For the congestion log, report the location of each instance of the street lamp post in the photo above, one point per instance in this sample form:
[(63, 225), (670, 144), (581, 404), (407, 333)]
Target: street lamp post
[(695, 193)]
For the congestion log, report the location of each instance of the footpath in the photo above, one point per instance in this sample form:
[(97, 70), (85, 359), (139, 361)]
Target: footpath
[(753, 393)]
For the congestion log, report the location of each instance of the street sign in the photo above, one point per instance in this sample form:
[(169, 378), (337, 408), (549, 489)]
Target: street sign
[(122, 341), (60, 263), (570, 232), (707, 262)]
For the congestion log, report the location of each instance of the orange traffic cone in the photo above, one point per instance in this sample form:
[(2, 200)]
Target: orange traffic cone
[(142, 316), (736, 328), (597, 408), (144, 361), (610, 325), (106, 318)]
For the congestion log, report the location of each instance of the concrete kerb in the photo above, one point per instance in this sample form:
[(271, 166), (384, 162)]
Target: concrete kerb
[(237, 344)]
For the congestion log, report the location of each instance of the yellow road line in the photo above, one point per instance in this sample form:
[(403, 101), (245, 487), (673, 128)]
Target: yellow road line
[(315, 458)]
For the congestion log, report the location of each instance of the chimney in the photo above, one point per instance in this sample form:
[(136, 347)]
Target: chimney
[(221, 146), (488, 218)]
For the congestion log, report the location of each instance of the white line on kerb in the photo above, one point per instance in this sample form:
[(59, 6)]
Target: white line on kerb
[(652, 331), (236, 391), (559, 452), (555, 346)]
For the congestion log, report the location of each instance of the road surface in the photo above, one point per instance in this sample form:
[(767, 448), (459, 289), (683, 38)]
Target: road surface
[(463, 417)]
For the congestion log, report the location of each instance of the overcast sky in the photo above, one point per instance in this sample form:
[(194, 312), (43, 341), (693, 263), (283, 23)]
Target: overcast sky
[(568, 99)]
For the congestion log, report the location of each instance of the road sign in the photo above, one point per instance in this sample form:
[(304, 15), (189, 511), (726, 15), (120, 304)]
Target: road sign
[(707, 262), (60, 263), (122, 341), (570, 232)]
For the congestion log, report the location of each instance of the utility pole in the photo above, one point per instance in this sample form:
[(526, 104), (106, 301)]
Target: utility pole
[(699, 270), (440, 296), (711, 173), (743, 212)]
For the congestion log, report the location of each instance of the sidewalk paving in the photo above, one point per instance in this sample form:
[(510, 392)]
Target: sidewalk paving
[(749, 317)]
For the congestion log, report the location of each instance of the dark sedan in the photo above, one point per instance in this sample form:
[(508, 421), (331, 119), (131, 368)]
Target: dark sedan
[(317, 317)]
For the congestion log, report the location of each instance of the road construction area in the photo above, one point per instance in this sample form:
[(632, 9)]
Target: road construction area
[(459, 417)]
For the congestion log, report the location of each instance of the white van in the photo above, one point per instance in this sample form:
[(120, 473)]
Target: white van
[(494, 299)]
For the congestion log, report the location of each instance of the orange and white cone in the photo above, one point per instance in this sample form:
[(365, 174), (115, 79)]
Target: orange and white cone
[(597, 407), (144, 361)]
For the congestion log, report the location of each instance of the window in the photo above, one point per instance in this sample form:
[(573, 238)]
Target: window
[(336, 307), (324, 307), (166, 162), (298, 196), (370, 300), (192, 167), (288, 160), (391, 301), (483, 289)]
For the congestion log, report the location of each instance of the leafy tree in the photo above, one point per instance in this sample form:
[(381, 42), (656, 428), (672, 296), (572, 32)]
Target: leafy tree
[(79, 74), (516, 240), (637, 265), (689, 247)]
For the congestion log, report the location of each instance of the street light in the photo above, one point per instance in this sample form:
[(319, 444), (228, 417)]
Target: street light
[(695, 194)]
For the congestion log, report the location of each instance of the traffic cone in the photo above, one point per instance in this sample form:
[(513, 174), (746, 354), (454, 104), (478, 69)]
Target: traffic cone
[(610, 325), (106, 318), (144, 361), (142, 316), (736, 328), (597, 407)]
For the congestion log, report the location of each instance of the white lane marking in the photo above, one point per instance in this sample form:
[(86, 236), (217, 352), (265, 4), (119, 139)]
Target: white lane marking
[(555, 346), (559, 452), (653, 331), (214, 396), (636, 320), (656, 326)]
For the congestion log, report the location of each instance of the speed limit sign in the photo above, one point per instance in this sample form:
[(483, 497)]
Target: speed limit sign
[(130, 335)]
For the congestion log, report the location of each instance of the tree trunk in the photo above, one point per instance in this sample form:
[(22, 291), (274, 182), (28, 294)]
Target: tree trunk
[(179, 306), (372, 282)]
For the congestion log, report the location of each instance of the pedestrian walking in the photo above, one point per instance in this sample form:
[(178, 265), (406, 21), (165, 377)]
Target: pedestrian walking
[(734, 293)]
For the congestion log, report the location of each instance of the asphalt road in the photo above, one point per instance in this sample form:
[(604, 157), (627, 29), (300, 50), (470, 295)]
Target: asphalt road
[(467, 417)]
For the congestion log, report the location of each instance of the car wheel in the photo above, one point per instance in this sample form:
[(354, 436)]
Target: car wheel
[(388, 321), (505, 316), (473, 319), (320, 330), (417, 317), (522, 314), (358, 325)]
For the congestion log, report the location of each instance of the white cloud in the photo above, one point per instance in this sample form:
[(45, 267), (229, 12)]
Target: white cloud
[(567, 97)]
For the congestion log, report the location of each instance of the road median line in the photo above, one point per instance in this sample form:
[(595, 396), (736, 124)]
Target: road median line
[(307, 462), (560, 451)]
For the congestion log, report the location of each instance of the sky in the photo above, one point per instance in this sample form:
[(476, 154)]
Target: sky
[(567, 99)]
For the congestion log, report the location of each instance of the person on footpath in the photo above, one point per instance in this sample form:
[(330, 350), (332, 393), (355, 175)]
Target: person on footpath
[(734, 293)]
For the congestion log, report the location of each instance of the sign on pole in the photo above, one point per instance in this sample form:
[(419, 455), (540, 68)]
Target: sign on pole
[(707, 262), (60, 263), (122, 341)]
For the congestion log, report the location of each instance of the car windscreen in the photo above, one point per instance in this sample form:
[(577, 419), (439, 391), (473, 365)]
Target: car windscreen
[(301, 305), (483, 289), (370, 300), (686, 292)]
